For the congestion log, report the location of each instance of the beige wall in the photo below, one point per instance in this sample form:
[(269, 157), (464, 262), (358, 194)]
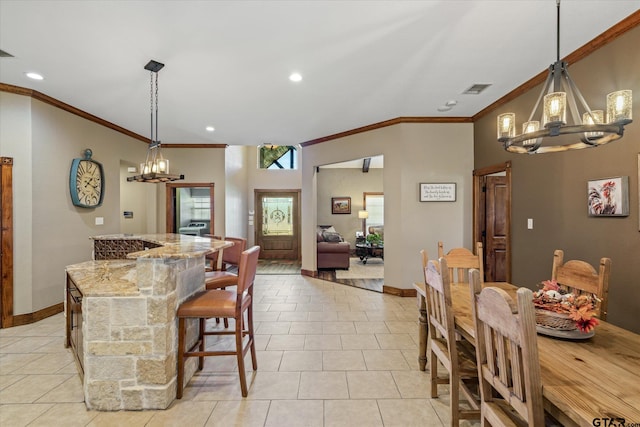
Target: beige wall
[(344, 182), (236, 201), (49, 231), (15, 141), (551, 188), (198, 165), (136, 197), (413, 153)]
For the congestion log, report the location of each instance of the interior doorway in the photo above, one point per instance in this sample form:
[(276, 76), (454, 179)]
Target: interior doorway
[(492, 219), (278, 223), (190, 208)]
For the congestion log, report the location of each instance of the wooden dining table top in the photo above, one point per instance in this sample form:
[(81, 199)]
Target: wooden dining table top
[(583, 381)]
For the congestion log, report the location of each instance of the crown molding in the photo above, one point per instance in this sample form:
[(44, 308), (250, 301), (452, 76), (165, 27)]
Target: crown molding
[(386, 123), (69, 108)]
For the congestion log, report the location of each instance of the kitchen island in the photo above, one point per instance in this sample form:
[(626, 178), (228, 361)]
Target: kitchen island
[(121, 323)]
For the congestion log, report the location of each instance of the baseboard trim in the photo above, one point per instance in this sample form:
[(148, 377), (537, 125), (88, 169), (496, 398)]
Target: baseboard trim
[(398, 291), (308, 273), (25, 319)]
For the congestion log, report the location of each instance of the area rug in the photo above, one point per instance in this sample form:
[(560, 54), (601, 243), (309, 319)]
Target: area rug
[(278, 266), (373, 269)]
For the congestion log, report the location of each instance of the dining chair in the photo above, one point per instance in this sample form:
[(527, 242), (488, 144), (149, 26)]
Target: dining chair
[(461, 260), (579, 277), (423, 329), (225, 304), (507, 356), (457, 356)]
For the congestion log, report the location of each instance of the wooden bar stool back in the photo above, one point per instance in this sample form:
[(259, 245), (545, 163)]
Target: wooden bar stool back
[(507, 356), (579, 277), (221, 303), (461, 260), (220, 279), (457, 356)]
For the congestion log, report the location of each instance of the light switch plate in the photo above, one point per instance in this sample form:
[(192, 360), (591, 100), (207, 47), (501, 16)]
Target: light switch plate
[(99, 220), (530, 223)]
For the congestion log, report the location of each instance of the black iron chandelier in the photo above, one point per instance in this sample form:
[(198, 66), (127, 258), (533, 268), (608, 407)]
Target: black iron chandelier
[(155, 167), (549, 133)]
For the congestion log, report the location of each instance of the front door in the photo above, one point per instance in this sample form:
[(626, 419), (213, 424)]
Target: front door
[(278, 223)]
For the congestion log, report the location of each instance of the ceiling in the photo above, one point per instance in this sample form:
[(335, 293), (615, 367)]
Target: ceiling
[(227, 63)]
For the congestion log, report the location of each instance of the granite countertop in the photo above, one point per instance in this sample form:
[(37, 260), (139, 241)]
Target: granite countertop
[(105, 278), (173, 245), (118, 277)]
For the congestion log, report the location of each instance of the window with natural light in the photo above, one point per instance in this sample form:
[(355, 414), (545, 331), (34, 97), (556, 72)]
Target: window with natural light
[(277, 157)]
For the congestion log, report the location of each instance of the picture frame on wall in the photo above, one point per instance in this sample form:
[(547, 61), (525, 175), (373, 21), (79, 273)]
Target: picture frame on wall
[(437, 191), (341, 205), (608, 196)]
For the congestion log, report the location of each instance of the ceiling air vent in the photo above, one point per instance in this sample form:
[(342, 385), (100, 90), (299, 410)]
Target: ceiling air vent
[(476, 89), (4, 54)]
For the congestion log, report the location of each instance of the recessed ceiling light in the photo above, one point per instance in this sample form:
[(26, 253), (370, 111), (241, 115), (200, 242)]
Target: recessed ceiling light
[(295, 77), (34, 76), (210, 128)]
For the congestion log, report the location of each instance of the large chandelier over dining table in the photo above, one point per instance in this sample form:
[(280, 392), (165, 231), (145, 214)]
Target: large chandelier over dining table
[(555, 130), (155, 167)]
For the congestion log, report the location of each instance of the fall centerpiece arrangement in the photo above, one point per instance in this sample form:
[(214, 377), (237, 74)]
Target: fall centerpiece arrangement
[(561, 310)]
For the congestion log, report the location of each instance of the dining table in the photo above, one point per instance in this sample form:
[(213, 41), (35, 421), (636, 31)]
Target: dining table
[(585, 381)]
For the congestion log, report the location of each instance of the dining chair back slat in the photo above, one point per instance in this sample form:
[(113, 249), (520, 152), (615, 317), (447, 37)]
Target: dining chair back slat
[(507, 355), (580, 277), (456, 356), (461, 260)]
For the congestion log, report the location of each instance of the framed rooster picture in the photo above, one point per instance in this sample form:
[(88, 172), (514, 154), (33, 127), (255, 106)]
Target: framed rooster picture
[(608, 196)]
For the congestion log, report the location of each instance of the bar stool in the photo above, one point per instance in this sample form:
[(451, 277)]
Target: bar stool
[(220, 279), (221, 303)]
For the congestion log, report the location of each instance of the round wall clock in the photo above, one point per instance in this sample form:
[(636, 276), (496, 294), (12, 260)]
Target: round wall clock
[(86, 182)]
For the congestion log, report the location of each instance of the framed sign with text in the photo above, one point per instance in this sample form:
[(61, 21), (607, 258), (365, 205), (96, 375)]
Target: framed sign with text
[(437, 191)]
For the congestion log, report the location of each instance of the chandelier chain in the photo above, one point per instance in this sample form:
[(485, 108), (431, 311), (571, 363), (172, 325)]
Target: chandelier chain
[(151, 102), (157, 138)]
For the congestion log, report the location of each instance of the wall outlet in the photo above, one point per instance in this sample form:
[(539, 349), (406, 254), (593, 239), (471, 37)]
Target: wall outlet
[(99, 220)]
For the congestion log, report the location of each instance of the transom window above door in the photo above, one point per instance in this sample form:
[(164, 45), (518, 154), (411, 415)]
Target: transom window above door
[(277, 157)]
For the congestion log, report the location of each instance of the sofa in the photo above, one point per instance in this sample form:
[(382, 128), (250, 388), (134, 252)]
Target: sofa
[(333, 251)]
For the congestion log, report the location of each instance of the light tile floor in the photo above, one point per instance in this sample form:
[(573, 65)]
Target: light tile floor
[(328, 355)]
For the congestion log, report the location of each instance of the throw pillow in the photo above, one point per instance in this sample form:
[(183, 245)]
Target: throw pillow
[(331, 237)]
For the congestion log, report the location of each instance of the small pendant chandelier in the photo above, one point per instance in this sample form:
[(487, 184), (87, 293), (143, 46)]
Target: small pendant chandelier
[(553, 131), (155, 167)]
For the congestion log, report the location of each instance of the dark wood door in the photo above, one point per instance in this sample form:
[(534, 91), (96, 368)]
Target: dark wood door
[(277, 223), (496, 229), (6, 242)]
